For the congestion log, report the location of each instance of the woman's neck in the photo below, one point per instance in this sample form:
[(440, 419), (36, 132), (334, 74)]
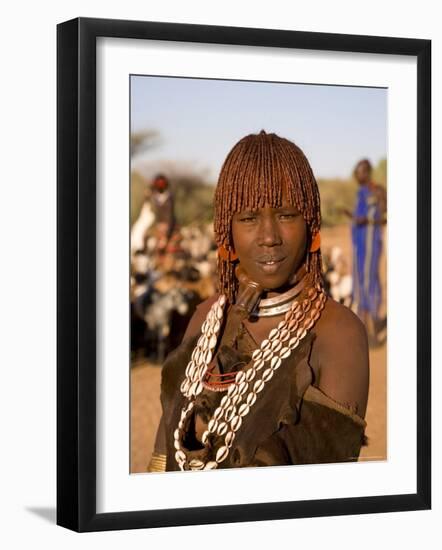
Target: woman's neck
[(292, 281), (271, 293)]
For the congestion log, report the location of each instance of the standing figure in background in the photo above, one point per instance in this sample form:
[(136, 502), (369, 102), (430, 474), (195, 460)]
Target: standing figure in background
[(368, 219), (163, 206)]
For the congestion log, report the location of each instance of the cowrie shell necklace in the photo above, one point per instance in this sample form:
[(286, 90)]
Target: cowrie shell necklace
[(242, 394)]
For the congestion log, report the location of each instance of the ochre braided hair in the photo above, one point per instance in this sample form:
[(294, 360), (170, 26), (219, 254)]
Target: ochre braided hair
[(258, 170)]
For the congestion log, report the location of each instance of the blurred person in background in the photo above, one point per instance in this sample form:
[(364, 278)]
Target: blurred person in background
[(163, 205), (368, 218)]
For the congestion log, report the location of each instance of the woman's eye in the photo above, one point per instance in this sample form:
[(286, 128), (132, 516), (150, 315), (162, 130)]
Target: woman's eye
[(248, 219), (288, 216)]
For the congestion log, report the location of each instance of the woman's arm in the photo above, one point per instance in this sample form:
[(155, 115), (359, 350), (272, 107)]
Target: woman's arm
[(358, 220), (340, 357), (197, 319)]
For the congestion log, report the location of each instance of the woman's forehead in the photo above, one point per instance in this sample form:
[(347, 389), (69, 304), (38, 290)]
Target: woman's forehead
[(284, 204)]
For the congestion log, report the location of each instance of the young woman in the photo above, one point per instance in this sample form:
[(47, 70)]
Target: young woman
[(270, 371)]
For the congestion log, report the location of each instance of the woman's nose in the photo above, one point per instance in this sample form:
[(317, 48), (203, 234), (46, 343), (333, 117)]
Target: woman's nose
[(269, 234)]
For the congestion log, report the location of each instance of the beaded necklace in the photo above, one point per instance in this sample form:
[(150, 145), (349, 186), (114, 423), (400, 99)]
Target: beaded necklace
[(242, 387)]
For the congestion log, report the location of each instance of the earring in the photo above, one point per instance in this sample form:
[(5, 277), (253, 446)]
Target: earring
[(316, 243), (227, 255), (314, 247)]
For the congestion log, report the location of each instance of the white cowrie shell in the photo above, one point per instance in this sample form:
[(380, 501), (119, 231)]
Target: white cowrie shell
[(236, 423), (309, 325), (299, 315), (289, 316), (221, 454), (212, 342), (222, 428), (218, 413), (244, 409), (230, 413), (258, 386), (240, 377), (196, 388), (259, 364), (229, 439), (194, 376), (251, 398), (267, 375), (250, 374), (196, 464), (225, 402), (300, 333), (265, 344), (219, 312), (293, 343), (276, 346), (185, 386), (275, 363), (292, 325), (236, 399), (208, 356), (211, 465), (243, 388), (212, 425), (256, 355), (201, 341), (180, 456), (190, 368), (284, 353)]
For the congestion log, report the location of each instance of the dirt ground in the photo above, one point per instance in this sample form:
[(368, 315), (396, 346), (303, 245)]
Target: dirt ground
[(145, 386)]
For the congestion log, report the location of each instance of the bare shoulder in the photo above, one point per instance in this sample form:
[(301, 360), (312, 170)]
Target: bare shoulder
[(340, 356), (338, 322), (197, 319)]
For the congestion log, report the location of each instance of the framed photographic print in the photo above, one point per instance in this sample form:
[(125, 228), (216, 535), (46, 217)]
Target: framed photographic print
[(243, 274)]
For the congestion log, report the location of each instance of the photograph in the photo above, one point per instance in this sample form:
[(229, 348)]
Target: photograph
[(258, 274)]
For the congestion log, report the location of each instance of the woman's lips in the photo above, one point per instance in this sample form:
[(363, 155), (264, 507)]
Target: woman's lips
[(270, 265)]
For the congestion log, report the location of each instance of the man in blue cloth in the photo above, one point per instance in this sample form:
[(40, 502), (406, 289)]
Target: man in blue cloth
[(368, 218)]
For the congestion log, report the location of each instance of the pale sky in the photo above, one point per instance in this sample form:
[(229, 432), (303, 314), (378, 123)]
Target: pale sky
[(199, 120)]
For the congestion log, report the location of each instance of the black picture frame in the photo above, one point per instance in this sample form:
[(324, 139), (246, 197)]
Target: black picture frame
[(76, 273)]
